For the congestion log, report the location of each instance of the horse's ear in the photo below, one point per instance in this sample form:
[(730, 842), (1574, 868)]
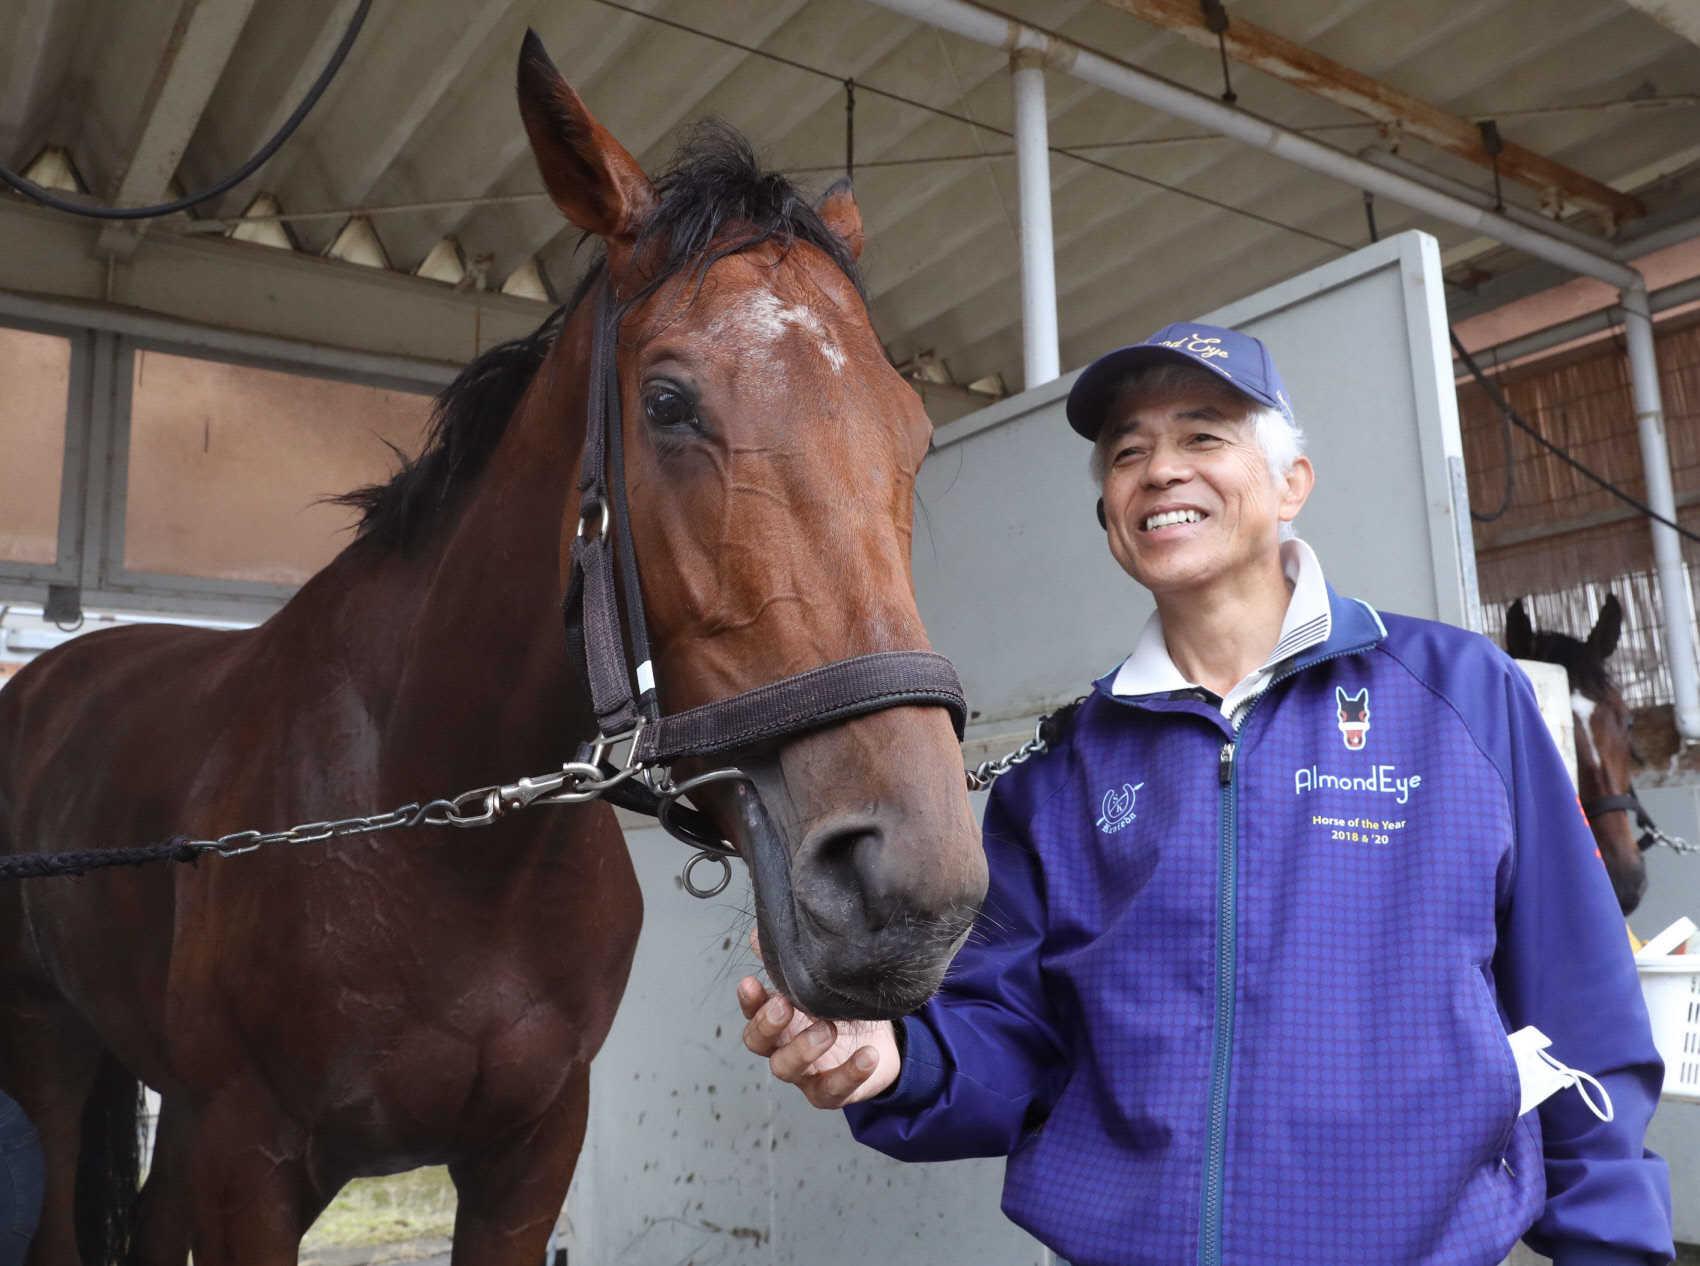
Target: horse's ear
[(1519, 633), (593, 180), (841, 214), (1603, 640)]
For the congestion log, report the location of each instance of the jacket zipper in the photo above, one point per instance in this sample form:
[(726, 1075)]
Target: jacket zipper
[(1210, 1236), (1227, 922)]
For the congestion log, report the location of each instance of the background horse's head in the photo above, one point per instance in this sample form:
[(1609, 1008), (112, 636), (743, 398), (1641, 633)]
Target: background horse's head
[(1605, 757), (771, 454)]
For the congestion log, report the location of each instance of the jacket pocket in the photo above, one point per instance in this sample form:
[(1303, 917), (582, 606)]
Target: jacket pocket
[(1505, 1065)]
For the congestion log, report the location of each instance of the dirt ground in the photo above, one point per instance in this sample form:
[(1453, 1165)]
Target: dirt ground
[(402, 1218)]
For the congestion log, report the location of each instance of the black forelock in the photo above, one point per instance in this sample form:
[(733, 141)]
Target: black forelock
[(714, 201)]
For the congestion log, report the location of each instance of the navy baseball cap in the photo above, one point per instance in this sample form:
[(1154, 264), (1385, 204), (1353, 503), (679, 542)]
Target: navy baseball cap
[(1240, 360)]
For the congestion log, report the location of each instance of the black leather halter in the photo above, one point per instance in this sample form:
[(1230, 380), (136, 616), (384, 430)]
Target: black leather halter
[(1628, 802), (623, 690)]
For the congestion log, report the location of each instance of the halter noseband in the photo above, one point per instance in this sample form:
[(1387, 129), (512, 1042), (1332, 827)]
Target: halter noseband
[(1627, 802), (597, 637)]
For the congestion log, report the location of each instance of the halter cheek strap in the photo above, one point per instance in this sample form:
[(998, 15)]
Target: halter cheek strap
[(623, 691)]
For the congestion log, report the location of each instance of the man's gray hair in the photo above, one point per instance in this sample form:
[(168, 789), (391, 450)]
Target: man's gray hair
[(1279, 436)]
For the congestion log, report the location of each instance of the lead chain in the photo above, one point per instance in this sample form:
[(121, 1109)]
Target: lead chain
[(987, 772), (574, 783)]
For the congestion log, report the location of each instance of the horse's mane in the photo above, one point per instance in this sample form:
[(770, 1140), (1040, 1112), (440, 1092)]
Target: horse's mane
[(1587, 671), (714, 201)]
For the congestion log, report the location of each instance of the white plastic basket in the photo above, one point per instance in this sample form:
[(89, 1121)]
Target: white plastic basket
[(1671, 985)]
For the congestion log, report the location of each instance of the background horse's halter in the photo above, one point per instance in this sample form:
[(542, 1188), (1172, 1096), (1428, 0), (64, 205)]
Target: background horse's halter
[(1629, 802), (597, 638)]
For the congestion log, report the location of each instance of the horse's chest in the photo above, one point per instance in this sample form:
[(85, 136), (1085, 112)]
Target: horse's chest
[(389, 1014)]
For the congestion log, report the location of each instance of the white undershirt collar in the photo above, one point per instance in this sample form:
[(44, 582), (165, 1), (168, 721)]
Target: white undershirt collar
[(1308, 622)]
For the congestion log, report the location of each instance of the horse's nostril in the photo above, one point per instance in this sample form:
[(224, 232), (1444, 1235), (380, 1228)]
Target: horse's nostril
[(840, 881)]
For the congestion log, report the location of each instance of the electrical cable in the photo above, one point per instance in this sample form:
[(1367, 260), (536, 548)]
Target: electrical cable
[(850, 129), (1514, 419), (47, 198)]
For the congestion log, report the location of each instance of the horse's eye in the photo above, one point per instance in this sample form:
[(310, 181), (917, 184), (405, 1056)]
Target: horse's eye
[(666, 406)]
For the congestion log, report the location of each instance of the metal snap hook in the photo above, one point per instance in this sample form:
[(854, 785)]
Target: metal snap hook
[(585, 515), (691, 885)]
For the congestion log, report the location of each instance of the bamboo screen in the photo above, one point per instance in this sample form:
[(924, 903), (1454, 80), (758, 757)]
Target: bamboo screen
[(1562, 541)]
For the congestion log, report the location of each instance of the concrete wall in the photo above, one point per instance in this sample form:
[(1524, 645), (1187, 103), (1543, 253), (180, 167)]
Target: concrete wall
[(695, 1154)]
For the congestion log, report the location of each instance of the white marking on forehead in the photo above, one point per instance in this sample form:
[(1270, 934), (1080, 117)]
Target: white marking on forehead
[(766, 317), (1583, 707)]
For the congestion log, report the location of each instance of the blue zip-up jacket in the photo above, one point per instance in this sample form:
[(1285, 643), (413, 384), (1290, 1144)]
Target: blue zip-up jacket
[(1244, 998)]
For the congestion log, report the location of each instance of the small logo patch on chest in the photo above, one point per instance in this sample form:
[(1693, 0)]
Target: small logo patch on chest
[(1116, 809), (1354, 717)]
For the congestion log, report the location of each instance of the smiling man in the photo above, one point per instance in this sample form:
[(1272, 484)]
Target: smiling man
[(1261, 922)]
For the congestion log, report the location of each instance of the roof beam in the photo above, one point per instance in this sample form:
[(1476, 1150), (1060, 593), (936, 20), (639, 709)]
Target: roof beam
[(195, 56), (26, 73), (1674, 15), (1323, 77), (392, 100), (332, 26)]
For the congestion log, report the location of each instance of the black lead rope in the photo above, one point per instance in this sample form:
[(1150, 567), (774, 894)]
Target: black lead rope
[(46, 865)]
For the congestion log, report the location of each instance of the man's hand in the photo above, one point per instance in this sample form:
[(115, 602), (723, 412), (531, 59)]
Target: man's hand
[(833, 1063)]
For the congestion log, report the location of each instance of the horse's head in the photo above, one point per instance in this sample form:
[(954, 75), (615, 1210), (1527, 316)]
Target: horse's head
[(1605, 756), (771, 452)]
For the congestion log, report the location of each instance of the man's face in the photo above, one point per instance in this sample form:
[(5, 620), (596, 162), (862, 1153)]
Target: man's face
[(1188, 495)]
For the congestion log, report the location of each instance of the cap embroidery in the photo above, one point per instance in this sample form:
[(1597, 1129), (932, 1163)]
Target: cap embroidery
[(1198, 345)]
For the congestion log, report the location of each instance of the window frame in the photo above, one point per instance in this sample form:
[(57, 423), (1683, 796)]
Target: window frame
[(94, 477), (65, 568)]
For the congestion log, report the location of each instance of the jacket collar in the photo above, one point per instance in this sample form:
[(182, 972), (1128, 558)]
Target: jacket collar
[(1306, 623), (1354, 626)]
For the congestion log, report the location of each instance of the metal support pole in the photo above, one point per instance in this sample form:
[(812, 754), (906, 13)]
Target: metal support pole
[(1667, 547), (1041, 358)]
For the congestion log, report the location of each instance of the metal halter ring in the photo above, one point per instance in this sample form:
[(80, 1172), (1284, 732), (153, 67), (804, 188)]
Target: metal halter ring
[(602, 526), (691, 885)]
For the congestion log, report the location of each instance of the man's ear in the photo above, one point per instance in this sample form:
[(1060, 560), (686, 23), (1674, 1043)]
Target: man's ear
[(1102, 521), (592, 179), (1295, 488), (841, 214)]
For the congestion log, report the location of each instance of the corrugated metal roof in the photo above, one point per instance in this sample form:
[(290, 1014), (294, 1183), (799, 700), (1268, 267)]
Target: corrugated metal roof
[(423, 112)]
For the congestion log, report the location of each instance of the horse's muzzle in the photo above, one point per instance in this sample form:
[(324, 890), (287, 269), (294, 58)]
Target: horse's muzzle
[(847, 932)]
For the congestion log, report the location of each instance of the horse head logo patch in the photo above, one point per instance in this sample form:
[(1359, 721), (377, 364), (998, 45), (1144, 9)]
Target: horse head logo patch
[(1116, 810), (1354, 716)]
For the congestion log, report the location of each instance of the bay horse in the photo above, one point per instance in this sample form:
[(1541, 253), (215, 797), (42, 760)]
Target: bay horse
[(1605, 754), (428, 997)]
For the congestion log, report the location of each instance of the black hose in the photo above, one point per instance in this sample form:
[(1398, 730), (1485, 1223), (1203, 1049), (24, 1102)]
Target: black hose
[(47, 198)]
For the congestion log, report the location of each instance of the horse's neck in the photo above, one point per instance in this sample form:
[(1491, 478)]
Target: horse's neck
[(463, 635)]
